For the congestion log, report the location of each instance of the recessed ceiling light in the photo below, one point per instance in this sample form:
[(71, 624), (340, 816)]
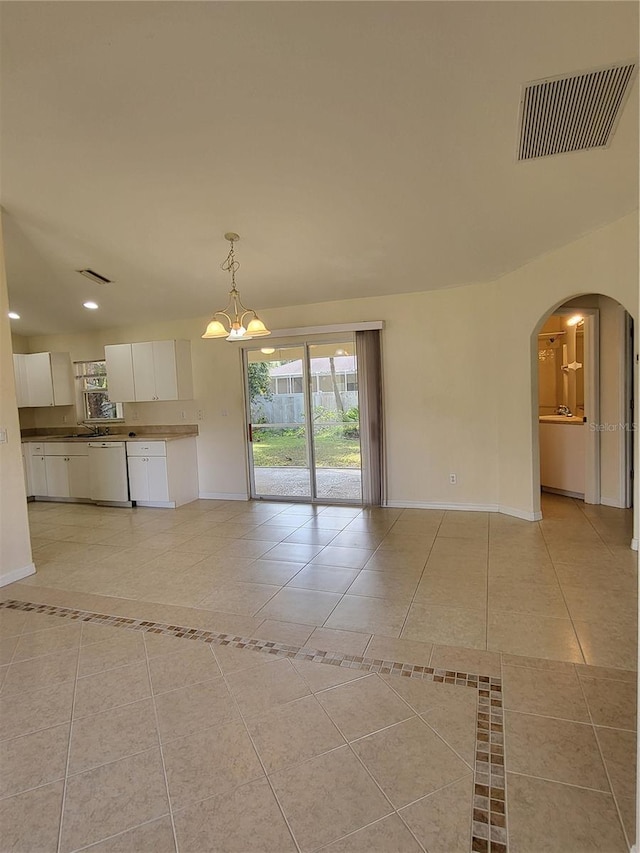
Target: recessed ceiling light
[(91, 305), (573, 321), (267, 350), (13, 316)]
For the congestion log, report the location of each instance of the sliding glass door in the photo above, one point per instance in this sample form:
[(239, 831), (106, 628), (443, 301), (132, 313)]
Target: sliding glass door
[(304, 427), (279, 451), (333, 375)]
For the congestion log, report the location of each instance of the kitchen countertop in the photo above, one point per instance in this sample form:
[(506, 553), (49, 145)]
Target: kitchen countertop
[(158, 436)]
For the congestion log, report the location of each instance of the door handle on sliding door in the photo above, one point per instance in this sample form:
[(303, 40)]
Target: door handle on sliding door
[(250, 427)]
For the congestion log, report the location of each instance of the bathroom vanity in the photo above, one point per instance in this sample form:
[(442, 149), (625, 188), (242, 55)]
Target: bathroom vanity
[(562, 454)]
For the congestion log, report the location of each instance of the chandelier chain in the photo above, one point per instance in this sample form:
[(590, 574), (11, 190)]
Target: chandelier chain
[(231, 265)]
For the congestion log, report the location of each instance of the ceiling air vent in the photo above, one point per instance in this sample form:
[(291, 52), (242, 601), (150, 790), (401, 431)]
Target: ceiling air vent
[(572, 113), (95, 276)]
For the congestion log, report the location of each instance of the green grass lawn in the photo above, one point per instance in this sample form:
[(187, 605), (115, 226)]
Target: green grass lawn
[(280, 451)]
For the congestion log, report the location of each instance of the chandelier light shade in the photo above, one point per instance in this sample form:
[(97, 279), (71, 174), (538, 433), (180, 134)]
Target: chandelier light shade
[(230, 323)]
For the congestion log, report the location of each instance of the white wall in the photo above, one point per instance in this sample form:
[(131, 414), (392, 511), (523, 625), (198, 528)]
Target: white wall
[(15, 546), (458, 372), (603, 262)]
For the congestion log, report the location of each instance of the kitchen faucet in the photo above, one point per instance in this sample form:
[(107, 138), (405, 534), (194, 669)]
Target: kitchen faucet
[(95, 428), (565, 410)]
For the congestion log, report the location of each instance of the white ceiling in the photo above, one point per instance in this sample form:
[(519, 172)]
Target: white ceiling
[(357, 148)]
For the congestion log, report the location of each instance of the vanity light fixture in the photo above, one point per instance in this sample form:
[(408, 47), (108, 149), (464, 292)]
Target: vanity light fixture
[(573, 321), (235, 312), (13, 316), (92, 306)]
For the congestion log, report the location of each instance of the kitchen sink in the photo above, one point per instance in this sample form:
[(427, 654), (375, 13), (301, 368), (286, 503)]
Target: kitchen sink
[(87, 435)]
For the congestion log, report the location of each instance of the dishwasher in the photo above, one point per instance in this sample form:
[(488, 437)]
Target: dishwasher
[(108, 479)]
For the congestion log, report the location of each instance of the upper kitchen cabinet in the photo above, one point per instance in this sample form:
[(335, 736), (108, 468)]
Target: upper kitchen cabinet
[(154, 370), (43, 379)]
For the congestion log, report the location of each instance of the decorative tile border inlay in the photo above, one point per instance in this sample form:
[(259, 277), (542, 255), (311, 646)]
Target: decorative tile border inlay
[(489, 802)]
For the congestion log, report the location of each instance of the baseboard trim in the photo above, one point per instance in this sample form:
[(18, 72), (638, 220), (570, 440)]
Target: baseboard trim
[(223, 496), (17, 574), (505, 510), (611, 502), (436, 505), (564, 492), (634, 544), (524, 514)]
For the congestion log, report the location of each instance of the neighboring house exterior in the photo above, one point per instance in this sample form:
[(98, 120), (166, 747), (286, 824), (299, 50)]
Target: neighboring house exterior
[(286, 404)]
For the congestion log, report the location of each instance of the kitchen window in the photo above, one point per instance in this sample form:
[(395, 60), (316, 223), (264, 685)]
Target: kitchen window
[(92, 386)]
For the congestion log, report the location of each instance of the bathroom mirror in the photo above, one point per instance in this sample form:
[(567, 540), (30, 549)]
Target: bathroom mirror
[(560, 366)]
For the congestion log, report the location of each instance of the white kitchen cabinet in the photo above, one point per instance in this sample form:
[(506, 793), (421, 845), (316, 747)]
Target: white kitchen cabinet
[(20, 373), (43, 379), (57, 476), (37, 477), (148, 371), (78, 473), (162, 473), (119, 363), (144, 370), (67, 470), (148, 482), (36, 471)]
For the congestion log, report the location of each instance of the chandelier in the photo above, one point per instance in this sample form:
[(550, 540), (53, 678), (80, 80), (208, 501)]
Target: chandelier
[(235, 313)]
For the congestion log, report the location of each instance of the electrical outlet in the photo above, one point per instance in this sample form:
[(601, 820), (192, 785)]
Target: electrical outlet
[(183, 415), (200, 415), (64, 419), (135, 416), (224, 413), (453, 479)]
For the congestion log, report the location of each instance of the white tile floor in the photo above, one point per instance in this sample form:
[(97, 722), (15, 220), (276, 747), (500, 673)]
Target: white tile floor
[(563, 589), (125, 741)]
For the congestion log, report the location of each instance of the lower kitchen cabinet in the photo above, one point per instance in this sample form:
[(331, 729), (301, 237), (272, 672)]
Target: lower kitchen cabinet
[(148, 482), (57, 470), (162, 473), (66, 471), (67, 476), (36, 472)]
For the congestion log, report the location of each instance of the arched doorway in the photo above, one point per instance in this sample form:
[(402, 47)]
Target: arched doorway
[(587, 363)]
